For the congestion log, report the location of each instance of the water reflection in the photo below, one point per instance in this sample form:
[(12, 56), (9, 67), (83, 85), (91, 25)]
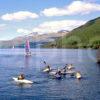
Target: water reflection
[(27, 61)]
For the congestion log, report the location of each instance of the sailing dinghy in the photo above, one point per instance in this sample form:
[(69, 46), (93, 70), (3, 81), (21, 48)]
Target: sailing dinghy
[(27, 48)]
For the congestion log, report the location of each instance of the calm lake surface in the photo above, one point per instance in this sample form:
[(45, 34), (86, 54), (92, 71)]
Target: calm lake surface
[(13, 62)]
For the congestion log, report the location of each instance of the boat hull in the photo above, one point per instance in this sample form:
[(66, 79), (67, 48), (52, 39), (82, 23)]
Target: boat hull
[(22, 81), (46, 70)]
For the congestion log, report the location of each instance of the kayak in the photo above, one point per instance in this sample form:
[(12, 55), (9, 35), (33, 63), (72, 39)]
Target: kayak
[(78, 75), (52, 72), (57, 76), (46, 70), (70, 67), (70, 72), (22, 81)]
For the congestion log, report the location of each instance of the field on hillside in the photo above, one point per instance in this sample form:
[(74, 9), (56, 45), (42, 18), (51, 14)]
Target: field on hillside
[(85, 36)]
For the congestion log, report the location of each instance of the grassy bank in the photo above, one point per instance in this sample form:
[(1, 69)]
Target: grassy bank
[(85, 36)]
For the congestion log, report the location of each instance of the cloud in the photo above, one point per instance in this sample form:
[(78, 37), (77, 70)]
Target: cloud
[(23, 31), (54, 26), (21, 15), (76, 7)]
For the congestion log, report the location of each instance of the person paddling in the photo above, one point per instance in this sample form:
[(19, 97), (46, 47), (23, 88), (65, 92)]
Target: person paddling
[(58, 75), (21, 77), (63, 70), (70, 66), (47, 67)]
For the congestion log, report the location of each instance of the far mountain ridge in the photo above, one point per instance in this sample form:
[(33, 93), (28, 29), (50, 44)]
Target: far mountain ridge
[(33, 38)]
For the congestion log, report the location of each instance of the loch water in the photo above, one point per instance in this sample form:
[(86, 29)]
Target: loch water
[(13, 62)]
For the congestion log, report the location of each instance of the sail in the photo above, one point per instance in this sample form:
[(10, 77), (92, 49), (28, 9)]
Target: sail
[(27, 48)]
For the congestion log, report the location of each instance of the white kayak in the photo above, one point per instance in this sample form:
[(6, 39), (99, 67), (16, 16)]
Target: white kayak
[(70, 72), (46, 70), (53, 72), (78, 75), (22, 81)]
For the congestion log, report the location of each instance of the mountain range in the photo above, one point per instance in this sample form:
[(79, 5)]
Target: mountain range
[(85, 36), (36, 40)]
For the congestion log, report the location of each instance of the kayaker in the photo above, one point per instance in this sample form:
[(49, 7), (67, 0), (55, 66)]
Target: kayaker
[(58, 75), (59, 72), (78, 75), (47, 67), (21, 77), (63, 70), (70, 66)]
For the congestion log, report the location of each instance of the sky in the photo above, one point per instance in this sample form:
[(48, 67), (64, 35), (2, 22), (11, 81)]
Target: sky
[(22, 17)]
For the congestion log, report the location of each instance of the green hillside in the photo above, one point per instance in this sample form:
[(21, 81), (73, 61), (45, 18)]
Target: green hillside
[(85, 36)]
